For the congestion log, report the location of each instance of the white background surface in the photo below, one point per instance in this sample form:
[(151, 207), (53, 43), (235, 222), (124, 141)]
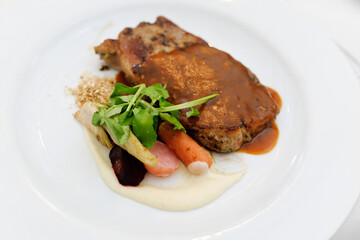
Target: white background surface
[(340, 20)]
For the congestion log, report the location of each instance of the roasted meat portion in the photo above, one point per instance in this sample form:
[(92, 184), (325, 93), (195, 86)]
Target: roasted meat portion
[(135, 45), (192, 69)]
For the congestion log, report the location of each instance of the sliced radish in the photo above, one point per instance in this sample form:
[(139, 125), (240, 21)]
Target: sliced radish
[(167, 160)]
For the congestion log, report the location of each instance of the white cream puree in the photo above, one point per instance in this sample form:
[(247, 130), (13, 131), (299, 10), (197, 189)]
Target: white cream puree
[(178, 192)]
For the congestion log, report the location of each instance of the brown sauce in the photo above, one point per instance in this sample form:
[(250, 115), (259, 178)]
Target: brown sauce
[(198, 71), (120, 78), (263, 143), (274, 94)]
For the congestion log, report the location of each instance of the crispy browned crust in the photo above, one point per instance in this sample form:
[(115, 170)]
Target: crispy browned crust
[(141, 53), (135, 45)]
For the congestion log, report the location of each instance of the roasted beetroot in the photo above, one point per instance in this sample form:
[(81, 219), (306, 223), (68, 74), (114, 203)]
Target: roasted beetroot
[(128, 170)]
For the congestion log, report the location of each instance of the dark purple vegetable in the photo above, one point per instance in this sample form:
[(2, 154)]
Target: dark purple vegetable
[(128, 170)]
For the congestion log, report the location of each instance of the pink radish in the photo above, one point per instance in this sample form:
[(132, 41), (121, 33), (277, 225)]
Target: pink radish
[(167, 160)]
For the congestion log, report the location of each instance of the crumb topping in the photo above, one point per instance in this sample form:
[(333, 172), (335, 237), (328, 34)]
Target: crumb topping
[(92, 89)]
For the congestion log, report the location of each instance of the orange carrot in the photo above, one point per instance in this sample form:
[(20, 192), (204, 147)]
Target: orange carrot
[(196, 159)]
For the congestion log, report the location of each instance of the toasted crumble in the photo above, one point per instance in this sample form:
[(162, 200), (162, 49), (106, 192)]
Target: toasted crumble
[(92, 89)]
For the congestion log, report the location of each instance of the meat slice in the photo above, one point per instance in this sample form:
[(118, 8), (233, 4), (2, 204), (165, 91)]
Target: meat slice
[(135, 45), (243, 108), (193, 70)]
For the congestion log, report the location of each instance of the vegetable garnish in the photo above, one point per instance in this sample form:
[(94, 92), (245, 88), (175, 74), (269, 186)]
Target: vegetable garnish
[(127, 108)]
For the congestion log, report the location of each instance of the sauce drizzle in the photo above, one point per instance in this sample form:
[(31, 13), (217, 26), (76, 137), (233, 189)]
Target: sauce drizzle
[(263, 143), (266, 140), (275, 95), (120, 78)]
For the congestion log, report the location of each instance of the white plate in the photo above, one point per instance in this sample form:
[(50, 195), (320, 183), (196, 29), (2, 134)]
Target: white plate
[(303, 189)]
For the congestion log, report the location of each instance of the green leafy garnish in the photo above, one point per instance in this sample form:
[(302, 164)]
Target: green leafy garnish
[(129, 111), (155, 92), (173, 120), (143, 128), (123, 89), (120, 99), (121, 132), (114, 110), (193, 112), (98, 117)]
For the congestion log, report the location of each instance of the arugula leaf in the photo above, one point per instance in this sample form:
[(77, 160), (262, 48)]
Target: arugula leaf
[(173, 120), (163, 103), (116, 100), (143, 128), (136, 96), (125, 118), (121, 132), (187, 104), (120, 88), (193, 112), (114, 110), (156, 122), (155, 92), (98, 117)]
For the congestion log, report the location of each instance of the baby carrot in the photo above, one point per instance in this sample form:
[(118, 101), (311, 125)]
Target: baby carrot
[(196, 159)]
